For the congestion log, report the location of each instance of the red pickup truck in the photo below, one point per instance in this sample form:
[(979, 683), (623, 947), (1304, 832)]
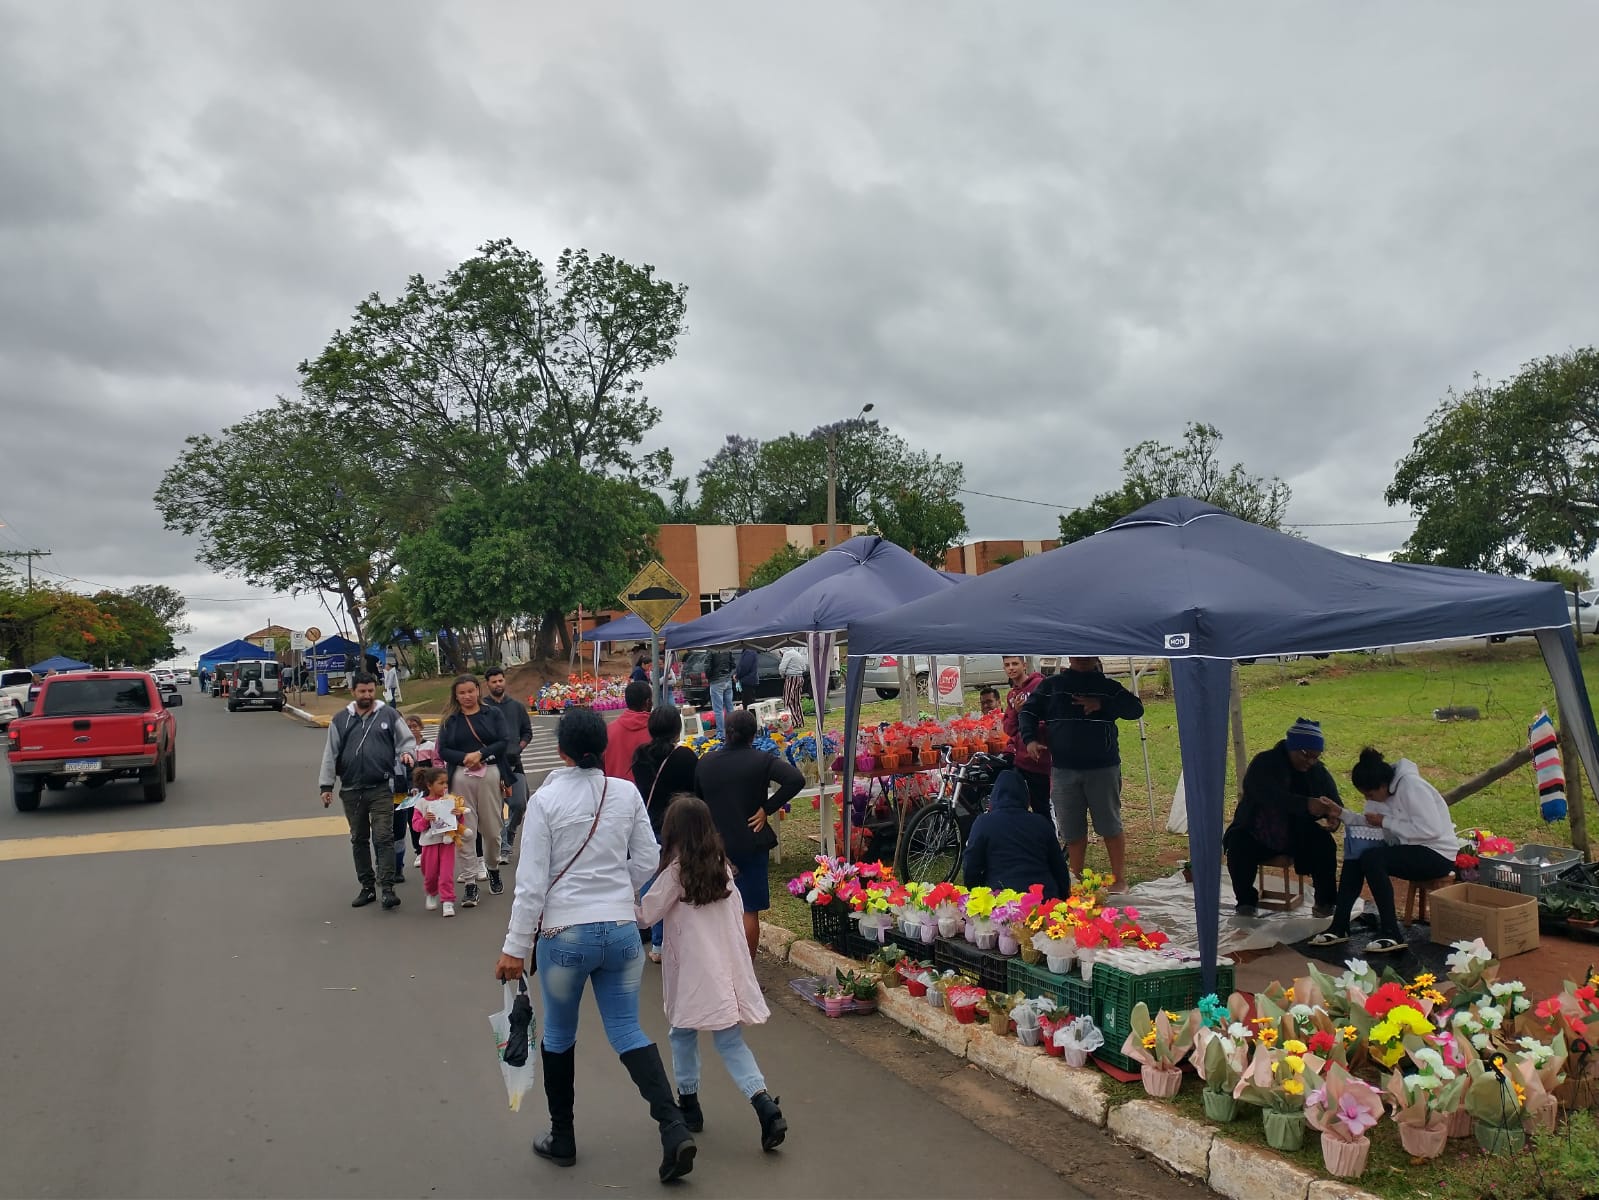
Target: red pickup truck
[(92, 727)]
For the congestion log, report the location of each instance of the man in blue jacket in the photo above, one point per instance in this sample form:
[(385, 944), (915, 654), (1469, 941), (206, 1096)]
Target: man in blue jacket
[(1077, 710), (1013, 847)]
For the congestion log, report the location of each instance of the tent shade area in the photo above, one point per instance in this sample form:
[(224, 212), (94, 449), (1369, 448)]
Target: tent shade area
[(623, 629), (60, 662), (334, 653), (1182, 580), (237, 650)]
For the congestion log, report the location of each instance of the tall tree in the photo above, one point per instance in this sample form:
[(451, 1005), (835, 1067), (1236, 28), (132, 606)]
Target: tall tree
[(135, 635), (1507, 472), (783, 560), (732, 491), (1152, 470), (500, 361), (922, 511)]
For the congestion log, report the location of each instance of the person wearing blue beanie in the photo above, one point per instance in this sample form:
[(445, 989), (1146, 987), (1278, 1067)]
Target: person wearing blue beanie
[(1279, 804)]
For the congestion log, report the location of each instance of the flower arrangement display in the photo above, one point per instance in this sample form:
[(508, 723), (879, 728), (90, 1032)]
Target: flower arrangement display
[(1538, 1068), (1425, 1102), (998, 1006), (1573, 1016), (602, 693), (1401, 1027), (1344, 1109), (980, 904), (1221, 1055), (1276, 1082), (947, 903), (837, 880), (1161, 1044), (1029, 1012), (1011, 910), (1077, 1039), (1468, 861), (1497, 1104), (962, 997)]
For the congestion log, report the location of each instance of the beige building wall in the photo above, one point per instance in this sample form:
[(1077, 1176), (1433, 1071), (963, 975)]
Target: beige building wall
[(717, 551)]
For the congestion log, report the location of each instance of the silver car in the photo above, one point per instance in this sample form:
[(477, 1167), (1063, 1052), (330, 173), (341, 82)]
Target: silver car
[(981, 670)]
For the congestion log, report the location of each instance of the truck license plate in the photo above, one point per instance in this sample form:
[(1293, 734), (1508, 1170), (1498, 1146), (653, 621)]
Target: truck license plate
[(83, 764)]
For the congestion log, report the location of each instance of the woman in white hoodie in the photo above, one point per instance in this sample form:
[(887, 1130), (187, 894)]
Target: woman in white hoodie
[(1419, 843)]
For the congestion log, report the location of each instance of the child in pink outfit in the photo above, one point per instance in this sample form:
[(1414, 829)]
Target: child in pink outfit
[(438, 844)]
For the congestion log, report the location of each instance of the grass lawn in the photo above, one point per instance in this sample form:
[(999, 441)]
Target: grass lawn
[(1360, 700)]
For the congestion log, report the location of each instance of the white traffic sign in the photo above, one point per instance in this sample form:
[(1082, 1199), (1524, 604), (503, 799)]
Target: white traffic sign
[(270, 645), (297, 639)]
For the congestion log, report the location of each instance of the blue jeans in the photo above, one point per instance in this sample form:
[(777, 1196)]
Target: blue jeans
[(722, 703), (518, 806), (609, 953), (736, 1057), (657, 930)]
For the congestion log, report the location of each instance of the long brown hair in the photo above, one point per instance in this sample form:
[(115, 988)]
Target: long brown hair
[(453, 706), (689, 838)]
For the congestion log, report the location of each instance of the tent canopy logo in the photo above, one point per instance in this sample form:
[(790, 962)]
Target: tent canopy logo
[(1177, 641)]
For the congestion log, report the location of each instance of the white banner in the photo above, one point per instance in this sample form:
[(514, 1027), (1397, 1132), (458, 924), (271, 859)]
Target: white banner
[(949, 685)]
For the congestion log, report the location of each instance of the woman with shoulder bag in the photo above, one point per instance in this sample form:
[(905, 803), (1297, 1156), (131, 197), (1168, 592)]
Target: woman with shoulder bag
[(661, 769), (587, 848), (473, 741)]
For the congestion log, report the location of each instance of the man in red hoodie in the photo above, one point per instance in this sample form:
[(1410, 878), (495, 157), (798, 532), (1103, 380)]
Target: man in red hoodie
[(1035, 769), (628, 732)]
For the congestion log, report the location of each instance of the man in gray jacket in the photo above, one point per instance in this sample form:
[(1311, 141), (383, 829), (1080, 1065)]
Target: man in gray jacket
[(367, 741)]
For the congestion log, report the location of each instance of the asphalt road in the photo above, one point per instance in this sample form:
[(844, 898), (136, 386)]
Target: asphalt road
[(192, 1009)]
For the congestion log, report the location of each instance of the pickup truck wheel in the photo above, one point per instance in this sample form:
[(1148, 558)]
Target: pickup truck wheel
[(25, 794), (887, 693), (172, 766), (155, 792)]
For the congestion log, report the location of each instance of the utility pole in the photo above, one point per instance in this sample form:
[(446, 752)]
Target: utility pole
[(30, 555)]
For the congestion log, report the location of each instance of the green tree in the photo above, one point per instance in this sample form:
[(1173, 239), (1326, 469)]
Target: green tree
[(1152, 471), (1573, 579), (40, 622), (502, 362), (1507, 472), (784, 559), (135, 634), (731, 490), (167, 603), (922, 510)]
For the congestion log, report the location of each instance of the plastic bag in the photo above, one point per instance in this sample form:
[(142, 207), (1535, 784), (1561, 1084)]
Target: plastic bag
[(518, 1080)]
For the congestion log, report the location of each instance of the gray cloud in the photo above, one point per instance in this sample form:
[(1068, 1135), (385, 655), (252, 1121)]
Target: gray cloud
[(1031, 237)]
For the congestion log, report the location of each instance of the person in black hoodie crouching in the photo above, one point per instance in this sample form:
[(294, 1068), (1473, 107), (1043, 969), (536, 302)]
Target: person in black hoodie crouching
[(1013, 847)]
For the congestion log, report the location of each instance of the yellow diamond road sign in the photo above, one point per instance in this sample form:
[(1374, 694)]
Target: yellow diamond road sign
[(654, 596)]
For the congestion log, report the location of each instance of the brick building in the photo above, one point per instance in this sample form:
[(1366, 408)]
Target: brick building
[(978, 558)]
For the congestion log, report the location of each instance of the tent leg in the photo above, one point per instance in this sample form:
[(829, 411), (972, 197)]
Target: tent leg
[(1149, 780)]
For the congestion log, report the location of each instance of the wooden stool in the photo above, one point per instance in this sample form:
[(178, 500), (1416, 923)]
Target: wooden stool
[(692, 725), (1283, 898), (1421, 889)]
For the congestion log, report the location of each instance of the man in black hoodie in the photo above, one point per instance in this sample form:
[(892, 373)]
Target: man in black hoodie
[(1013, 847), (1077, 709)]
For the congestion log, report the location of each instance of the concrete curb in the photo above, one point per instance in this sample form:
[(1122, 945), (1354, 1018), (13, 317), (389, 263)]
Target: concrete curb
[(299, 714), (1192, 1148)]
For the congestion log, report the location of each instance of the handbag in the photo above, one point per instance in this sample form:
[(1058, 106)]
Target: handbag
[(533, 959)]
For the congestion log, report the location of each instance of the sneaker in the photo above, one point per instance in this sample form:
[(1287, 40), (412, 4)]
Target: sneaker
[(431, 903), (399, 876), (1246, 910), (482, 871), (449, 909), (496, 884), (505, 858), (390, 900), (417, 861), (1329, 938), (470, 900), (367, 896)]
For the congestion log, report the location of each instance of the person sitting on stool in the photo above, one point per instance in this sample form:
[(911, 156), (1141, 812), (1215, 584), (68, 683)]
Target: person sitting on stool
[(1277, 817), (1419, 843), (1013, 847)]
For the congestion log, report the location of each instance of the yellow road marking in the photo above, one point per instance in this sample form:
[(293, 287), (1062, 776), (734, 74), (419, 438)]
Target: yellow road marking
[(172, 839)]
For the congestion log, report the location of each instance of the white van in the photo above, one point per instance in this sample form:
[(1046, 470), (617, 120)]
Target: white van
[(256, 685), (14, 685)]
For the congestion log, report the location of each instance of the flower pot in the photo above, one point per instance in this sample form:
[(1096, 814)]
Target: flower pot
[(835, 1006), (1220, 1107), (971, 932), (986, 940), (865, 763), (1284, 1130), (1541, 1114), (935, 998), (1460, 1123), (916, 988), (891, 979), (1498, 1140), (1085, 959), (999, 1022), (866, 1006), (1161, 1082), (928, 758), (1031, 954), (1060, 964), (1420, 1141), (966, 1014), (949, 926), (1029, 1035), (1345, 1159), (1008, 945), (1075, 1056), (927, 933)]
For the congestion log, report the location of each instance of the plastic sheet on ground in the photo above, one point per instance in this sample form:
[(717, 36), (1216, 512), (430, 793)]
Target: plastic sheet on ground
[(1167, 904)]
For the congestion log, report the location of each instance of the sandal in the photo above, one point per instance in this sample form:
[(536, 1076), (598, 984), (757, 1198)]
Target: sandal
[(1386, 945), (655, 955), (1328, 938)]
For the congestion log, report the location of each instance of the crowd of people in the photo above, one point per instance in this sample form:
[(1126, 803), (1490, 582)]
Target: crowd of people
[(634, 832)]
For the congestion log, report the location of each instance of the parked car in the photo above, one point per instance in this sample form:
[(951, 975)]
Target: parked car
[(15, 685), (982, 670), (1582, 611), (256, 684), (697, 687), (92, 727), (181, 674), (162, 675)]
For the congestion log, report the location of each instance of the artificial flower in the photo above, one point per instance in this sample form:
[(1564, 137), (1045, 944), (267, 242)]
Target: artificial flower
[(1294, 1087)]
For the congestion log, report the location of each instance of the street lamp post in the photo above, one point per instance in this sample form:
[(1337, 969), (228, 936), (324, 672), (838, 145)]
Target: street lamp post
[(832, 476)]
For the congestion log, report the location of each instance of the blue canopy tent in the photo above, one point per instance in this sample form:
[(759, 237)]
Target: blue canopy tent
[(334, 653), (1185, 581), (60, 662), (237, 650), (623, 629)]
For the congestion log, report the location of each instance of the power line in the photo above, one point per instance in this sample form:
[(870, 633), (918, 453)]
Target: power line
[(30, 555), (1295, 524)]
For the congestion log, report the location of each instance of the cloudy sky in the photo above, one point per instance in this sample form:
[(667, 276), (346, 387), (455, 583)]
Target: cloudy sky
[(1031, 234)]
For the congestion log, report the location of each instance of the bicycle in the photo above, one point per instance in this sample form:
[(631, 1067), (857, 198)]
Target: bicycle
[(930, 847)]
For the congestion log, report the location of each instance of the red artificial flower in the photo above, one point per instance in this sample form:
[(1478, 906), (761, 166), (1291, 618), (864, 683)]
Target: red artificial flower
[(1387, 996), (1321, 1042), (1548, 1008)]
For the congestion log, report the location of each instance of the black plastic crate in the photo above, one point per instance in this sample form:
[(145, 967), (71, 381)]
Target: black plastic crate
[(912, 946), (857, 945), (829, 924), (1068, 991), (1117, 992), (992, 971)]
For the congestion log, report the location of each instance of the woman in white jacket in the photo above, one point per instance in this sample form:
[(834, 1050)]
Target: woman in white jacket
[(1419, 843)]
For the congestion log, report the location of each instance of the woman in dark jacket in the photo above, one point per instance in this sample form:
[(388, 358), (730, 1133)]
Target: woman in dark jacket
[(748, 674), (472, 743), (1014, 847), (662, 769), (736, 782)]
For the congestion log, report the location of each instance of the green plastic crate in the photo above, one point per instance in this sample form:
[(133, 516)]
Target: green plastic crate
[(1116, 992), (1069, 991)]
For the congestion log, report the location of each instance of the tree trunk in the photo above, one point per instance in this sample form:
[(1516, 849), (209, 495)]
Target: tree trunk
[(1240, 746), (1492, 775)]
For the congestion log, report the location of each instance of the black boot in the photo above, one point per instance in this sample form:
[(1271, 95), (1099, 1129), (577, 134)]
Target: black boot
[(774, 1126), (689, 1104), (677, 1144), (559, 1145)]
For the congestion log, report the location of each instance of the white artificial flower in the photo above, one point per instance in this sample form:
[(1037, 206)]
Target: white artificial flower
[(1520, 1004), (1301, 1012), (1480, 1040), (1491, 1017), (1432, 1064), (1536, 1051), (1238, 1031), (1467, 953), (1506, 989), (1426, 1081), (1358, 968)]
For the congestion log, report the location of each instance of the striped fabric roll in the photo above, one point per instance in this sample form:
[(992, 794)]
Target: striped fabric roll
[(1551, 772)]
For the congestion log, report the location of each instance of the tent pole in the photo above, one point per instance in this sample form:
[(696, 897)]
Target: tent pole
[(1235, 707), (1577, 814), (655, 667), (932, 686), (1143, 739)]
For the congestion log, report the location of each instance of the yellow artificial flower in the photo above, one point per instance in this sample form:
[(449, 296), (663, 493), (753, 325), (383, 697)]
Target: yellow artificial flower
[(1149, 1040), (1174, 1018), (1294, 1087), (1295, 1046), (1268, 1036), (1426, 979), (1288, 995), (1385, 1030), (1351, 1033), (1295, 1063)]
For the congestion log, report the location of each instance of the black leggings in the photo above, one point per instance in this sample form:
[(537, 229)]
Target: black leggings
[(1038, 792), (1375, 869)]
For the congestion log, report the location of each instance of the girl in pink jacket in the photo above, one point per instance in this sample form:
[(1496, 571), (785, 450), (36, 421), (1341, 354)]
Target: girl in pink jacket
[(706, 974)]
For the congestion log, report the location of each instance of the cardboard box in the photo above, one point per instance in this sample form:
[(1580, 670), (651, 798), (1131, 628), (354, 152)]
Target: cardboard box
[(1506, 921)]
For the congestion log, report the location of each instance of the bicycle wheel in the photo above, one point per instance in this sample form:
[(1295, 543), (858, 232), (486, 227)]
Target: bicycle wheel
[(930, 849)]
